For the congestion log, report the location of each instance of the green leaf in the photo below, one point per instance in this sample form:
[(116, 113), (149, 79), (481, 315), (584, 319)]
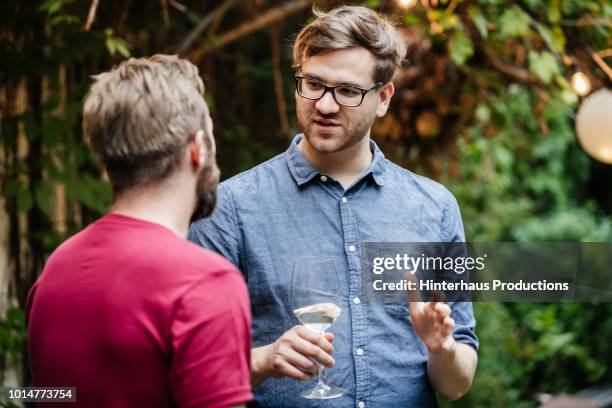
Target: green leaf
[(51, 6), (122, 47), (555, 39), (411, 19), (94, 193), (193, 16), (115, 44), (544, 65), (44, 197), (24, 200), (558, 39), (15, 317), (483, 113), (480, 21), (460, 48), (66, 19), (554, 12), (11, 187), (110, 46), (514, 22)]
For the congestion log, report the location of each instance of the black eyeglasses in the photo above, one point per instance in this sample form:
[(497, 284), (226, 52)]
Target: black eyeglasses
[(345, 95)]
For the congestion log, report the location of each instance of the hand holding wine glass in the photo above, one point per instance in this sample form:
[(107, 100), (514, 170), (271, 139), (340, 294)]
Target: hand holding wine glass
[(295, 354), (316, 296)]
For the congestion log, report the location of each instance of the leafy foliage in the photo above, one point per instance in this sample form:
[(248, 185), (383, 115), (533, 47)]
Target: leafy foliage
[(484, 105)]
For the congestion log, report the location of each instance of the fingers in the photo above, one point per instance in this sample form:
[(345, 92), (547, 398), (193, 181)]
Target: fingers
[(283, 368), (316, 347), (442, 310), (415, 305), (296, 353), (297, 360), (414, 294), (444, 328), (315, 338), (437, 296)]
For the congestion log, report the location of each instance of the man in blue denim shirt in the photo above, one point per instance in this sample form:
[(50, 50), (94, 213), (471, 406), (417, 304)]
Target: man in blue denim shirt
[(319, 201)]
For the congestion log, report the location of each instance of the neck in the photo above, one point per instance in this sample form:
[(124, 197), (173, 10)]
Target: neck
[(166, 204), (345, 165)]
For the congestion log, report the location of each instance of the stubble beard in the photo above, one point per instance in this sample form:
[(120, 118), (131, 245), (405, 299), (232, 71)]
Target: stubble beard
[(206, 192), (347, 136)]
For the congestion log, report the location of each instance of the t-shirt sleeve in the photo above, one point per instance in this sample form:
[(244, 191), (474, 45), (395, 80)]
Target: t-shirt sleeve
[(211, 343), (219, 232)]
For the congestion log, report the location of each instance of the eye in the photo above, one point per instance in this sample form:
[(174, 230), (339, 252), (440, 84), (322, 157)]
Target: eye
[(312, 84), (348, 91)]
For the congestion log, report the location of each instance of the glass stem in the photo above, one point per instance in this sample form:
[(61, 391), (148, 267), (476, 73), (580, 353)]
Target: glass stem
[(321, 386), (321, 374)]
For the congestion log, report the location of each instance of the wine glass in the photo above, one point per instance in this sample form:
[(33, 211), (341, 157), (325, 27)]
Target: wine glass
[(316, 299)]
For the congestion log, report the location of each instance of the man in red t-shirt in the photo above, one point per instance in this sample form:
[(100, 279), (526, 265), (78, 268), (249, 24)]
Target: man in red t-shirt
[(127, 311)]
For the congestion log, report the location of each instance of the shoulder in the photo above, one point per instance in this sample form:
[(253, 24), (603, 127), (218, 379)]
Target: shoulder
[(188, 256), (416, 185), (214, 274), (249, 181)]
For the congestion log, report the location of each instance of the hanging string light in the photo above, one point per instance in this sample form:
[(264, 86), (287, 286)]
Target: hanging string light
[(594, 125), (581, 83), (407, 3)]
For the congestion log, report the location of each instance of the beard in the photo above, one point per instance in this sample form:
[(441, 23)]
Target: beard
[(351, 131), (206, 192)]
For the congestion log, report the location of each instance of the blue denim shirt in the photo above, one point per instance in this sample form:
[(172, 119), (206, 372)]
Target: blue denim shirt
[(283, 211)]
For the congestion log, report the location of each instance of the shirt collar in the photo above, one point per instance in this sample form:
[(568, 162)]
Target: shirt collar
[(302, 171)]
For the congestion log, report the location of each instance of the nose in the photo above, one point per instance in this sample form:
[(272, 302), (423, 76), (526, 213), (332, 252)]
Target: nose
[(327, 104)]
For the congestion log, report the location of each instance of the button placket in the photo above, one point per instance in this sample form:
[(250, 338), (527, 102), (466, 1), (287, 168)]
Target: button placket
[(356, 311)]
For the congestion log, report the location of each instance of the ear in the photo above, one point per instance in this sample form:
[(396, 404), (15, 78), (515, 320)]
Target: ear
[(197, 151), (384, 98)]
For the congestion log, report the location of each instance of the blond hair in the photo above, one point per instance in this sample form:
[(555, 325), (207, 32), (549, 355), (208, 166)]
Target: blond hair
[(139, 116), (348, 27)]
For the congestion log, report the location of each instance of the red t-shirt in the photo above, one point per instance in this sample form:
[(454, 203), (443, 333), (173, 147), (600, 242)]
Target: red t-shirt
[(134, 316)]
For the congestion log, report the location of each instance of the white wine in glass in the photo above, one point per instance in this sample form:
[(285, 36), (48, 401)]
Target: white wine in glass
[(318, 317)]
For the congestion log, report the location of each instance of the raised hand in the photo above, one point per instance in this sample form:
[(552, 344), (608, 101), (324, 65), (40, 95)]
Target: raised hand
[(431, 320)]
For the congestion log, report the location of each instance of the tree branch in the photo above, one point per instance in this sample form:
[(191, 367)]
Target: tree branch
[(201, 26), (92, 15), (602, 64), (165, 13), (178, 6), (515, 72), (278, 81), (269, 17)]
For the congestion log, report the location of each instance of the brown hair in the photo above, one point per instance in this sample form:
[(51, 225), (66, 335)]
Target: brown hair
[(352, 26), (139, 116)]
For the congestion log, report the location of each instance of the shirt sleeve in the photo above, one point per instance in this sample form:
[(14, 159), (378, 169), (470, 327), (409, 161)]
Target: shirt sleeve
[(461, 312), (211, 343), (219, 232)]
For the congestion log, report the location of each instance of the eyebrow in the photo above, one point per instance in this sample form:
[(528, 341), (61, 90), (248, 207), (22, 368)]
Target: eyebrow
[(309, 75)]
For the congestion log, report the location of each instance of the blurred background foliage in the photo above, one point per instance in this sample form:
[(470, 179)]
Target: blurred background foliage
[(484, 105)]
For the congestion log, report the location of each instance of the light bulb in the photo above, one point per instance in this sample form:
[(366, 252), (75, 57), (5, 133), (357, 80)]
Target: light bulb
[(594, 125), (581, 83), (407, 3)]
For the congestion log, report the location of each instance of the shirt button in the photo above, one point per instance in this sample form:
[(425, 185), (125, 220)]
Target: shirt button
[(351, 248), (361, 404), (323, 178), (356, 300), (360, 352), (344, 200)]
